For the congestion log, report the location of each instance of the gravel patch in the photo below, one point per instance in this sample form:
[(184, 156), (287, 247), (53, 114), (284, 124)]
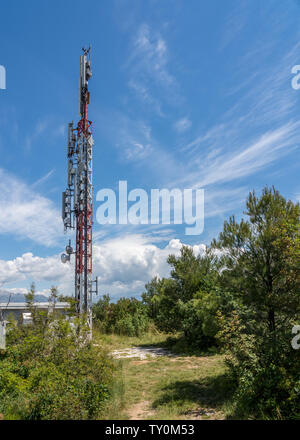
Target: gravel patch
[(141, 353)]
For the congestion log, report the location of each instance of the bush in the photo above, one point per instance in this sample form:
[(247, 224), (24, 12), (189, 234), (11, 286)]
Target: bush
[(49, 373), (266, 376), (127, 316)]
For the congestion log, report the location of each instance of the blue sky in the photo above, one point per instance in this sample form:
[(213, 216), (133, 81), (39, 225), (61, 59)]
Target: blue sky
[(185, 94)]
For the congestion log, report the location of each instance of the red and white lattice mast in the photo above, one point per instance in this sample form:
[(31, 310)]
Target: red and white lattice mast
[(77, 200)]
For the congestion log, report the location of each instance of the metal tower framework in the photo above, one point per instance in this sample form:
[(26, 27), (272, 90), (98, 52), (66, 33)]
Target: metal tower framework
[(77, 200)]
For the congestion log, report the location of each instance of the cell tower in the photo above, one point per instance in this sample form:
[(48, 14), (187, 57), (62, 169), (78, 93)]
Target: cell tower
[(77, 200)]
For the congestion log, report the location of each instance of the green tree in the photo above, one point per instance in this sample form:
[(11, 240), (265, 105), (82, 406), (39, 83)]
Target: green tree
[(260, 258), (151, 296), (188, 301), (256, 265), (190, 272)]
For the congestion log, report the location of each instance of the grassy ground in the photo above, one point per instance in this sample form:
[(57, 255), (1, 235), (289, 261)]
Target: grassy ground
[(170, 388)]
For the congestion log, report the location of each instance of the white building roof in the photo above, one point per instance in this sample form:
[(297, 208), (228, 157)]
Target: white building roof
[(38, 305)]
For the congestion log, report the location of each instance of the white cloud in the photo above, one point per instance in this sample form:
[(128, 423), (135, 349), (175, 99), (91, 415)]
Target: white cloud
[(26, 214), (123, 264), (126, 263), (150, 54), (30, 267), (149, 69)]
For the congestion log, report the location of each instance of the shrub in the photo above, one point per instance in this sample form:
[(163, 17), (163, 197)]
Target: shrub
[(128, 316), (48, 372), (266, 377)]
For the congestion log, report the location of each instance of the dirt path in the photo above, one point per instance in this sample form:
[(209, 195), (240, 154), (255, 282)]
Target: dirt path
[(162, 385), (140, 411)]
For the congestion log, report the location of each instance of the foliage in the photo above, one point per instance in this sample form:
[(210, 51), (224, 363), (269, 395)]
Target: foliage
[(261, 263), (128, 316), (189, 300), (50, 371)]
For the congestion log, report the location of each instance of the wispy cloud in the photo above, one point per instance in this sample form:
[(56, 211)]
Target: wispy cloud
[(258, 130), (132, 138), (242, 162), (25, 213), (48, 125), (42, 179), (182, 125), (234, 23), (39, 129), (150, 56), (145, 96), (149, 71)]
